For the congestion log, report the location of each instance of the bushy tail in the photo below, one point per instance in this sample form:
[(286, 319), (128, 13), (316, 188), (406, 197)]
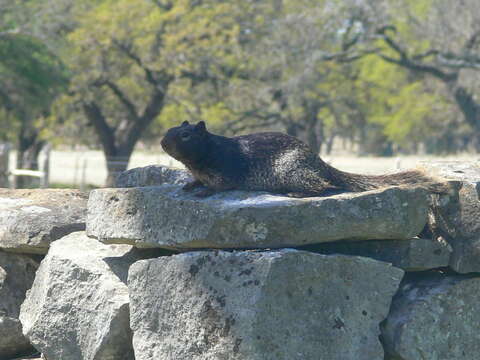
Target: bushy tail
[(357, 182)]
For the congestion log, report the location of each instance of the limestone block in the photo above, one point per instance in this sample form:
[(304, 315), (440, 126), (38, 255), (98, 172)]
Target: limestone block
[(434, 316), (410, 255), (455, 216), (31, 219), (16, 277), (272, 305), (168, 217), (152, 175), (78, 307)]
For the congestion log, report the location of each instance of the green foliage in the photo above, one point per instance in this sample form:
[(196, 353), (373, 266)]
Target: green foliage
[(240, 65), (30, 70), (31, 77), (396, 102)]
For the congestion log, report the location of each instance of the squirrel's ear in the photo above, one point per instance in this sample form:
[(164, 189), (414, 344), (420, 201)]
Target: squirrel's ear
[(185, 123), (201, 126)]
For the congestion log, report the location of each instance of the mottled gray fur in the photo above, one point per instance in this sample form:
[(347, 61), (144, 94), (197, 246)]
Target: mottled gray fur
[(269, 161)]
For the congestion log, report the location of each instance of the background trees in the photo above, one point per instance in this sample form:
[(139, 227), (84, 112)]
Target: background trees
[(441, 40), (31, 76), (382, 76)]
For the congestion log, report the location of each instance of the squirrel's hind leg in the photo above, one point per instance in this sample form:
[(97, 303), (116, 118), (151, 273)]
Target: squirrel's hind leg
[(206, 193), (308, 183)]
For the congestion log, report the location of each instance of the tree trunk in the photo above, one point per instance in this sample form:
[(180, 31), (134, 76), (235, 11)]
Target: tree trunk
[(314, 136), (29, 147), (4, 162), (330, 142), (314, 132), (117, 165), (470, 110), (292, 128), (119, 141)]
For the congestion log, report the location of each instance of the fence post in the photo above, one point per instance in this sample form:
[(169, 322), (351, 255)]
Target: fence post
[(45, 179), (83, 176), (4, 159)]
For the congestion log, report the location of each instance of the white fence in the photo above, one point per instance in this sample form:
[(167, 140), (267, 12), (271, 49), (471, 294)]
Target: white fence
[(8, 174), (88, 167)]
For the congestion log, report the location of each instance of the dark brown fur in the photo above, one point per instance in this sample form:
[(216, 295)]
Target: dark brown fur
[(272, 162)]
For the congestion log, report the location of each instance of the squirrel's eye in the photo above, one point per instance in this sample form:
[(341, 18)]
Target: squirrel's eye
[(185, 136)]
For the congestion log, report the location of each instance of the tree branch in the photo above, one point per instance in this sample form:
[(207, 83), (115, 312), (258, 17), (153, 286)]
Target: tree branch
[(130, 106), (454, 61), (409, 62), (349, 55), (104, 131), (127, 50), (163, 5), (129, 135), (236, 125)]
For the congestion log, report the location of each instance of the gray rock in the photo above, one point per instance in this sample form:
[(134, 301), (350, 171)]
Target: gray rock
[(168, 217), (16, 277), (434, 317), (275, 305), (410, 255), (78, 307), (31, 219), (152, 175), (455, 217)]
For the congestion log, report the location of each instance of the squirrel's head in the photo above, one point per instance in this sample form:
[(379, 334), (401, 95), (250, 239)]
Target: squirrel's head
[(186, 143)]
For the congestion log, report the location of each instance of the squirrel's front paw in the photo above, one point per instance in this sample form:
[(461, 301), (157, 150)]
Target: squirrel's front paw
[(192, 185)]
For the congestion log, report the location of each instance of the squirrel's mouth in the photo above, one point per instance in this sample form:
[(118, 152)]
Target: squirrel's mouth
[(166, 144), (163, 142), (168, 147)]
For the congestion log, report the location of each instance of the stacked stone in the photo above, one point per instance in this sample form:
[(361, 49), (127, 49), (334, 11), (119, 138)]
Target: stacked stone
[(30, 220), (161, 274), (435, 315)]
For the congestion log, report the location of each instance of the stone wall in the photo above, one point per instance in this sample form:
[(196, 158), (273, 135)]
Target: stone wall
[(147, 271)]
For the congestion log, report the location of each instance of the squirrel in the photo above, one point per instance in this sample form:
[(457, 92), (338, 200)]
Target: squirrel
[(270, 161)]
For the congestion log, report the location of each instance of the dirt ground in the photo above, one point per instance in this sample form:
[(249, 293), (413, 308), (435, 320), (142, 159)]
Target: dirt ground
[(88, 167)]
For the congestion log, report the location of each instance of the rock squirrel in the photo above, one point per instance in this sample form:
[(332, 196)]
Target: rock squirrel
[(270, 161)]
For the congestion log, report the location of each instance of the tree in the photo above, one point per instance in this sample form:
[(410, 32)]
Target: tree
[(297, 55), (124, 70), (448, 51), (313, 74), (31, 77), (305, 67)]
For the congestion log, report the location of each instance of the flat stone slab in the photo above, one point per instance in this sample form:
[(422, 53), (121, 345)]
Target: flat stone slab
[(270, 305), (31, 219), (410, 255), (152, 175), (168, 217), (455, 216), (17, 273), (434, 316), (78, 307)]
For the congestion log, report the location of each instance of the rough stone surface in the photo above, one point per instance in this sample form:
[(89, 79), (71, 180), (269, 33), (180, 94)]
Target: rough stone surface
[(455, 216), (434, 317), (167, 216), (31, 219), (410, 255), (153, 175), (16, 277), (78, 307), (273, 305)]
